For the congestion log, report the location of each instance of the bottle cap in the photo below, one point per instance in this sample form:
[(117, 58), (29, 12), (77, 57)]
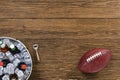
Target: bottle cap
[(3, 45), (12, 47), (24, 66), (1, 63)]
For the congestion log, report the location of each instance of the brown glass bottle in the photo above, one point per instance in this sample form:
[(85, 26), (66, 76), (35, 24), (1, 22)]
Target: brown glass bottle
[(3, 47), (13, 77)]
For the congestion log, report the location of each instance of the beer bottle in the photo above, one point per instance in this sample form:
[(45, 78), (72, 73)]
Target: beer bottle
[(13, 77), (5, 62), (3, 47), (22, 66), (13, 49)]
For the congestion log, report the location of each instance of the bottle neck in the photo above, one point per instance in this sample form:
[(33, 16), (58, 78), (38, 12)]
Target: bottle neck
[(12, 47), (13, 77), (22, 66), (2, 45)]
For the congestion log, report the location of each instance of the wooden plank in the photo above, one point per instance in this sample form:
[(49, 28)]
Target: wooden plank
[(59, 9), (61, 28)]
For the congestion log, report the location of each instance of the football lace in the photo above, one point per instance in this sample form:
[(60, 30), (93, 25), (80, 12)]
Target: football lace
[(94, 56)]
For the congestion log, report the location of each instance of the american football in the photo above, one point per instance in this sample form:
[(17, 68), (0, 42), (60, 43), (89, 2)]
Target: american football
[(94, 60)]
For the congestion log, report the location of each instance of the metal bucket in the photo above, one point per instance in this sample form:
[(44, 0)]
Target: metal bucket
[(24, 56)]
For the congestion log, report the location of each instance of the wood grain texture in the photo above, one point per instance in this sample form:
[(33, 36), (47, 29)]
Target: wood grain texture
[(59, 9), (64, 30)]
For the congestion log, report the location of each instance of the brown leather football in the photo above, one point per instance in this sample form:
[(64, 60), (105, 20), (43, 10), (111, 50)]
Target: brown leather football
[(95, 60)]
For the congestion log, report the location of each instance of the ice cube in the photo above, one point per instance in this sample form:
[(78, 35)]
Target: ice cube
[(5, 77), (10, 56), (1, 70), (16, 61), (10, 68)]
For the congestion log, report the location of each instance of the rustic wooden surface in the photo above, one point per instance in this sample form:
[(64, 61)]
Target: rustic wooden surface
[(65, 30)]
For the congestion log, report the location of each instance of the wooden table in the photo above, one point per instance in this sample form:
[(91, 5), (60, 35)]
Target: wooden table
[(64, 30)]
